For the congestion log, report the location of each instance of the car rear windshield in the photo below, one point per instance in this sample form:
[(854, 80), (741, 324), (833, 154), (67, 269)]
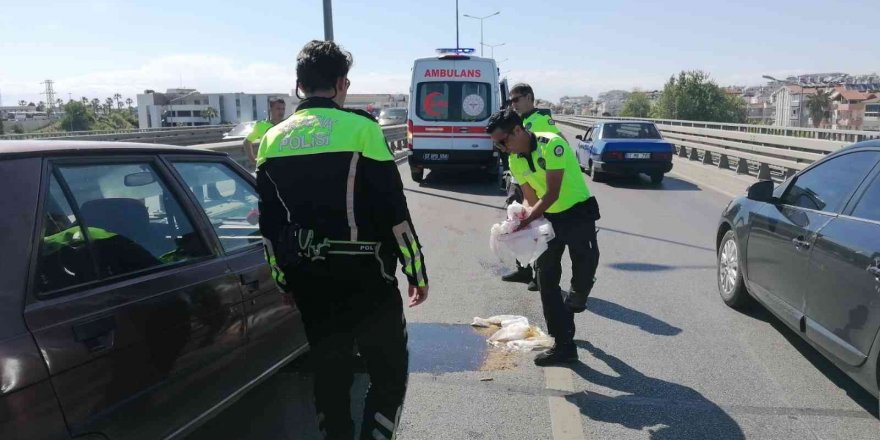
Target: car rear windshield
[(393, 113), (453, 101), (630, 131)]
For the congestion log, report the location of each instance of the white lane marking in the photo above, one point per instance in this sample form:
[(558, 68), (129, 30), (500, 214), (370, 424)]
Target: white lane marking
[(565, 417)]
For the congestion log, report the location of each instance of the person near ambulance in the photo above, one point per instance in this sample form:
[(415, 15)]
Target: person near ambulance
[(277, 107), (522, 101), (335, 221), (554, 187)]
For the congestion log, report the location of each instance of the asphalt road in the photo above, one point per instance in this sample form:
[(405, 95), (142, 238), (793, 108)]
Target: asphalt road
[(661, 357)]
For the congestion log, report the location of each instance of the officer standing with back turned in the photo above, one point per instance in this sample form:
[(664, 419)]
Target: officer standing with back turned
[(554, 187), (335, 222)]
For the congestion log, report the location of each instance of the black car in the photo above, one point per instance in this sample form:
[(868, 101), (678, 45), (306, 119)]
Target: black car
[(809, 251), (135, 301)]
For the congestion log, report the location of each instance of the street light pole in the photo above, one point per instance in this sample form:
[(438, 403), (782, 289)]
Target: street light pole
[(492, 48), (328, 20), (481, 25), (457, 45)]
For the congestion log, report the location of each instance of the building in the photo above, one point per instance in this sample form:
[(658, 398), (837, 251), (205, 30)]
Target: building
[(791, 108), (186, 107), (854, 108), (611, 102)]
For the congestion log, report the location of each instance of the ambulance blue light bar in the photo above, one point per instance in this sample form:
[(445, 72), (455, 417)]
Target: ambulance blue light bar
[(456, 51)]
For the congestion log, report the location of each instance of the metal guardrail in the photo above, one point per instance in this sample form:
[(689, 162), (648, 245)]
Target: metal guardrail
[(121, 134), (395, 136), (762, 151)]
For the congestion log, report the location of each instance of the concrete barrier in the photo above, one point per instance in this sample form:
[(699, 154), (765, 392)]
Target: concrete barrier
[(761, 151)]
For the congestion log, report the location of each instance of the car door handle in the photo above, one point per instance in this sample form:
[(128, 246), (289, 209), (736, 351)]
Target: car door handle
[(799, 242), (251, 282), (97, 335)]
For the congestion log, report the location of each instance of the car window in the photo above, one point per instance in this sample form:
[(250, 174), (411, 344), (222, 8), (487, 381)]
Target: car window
[(133, 221), (229, 201), (453, 101), (64, 259), (630, 131), (869, 205), (828, 186)]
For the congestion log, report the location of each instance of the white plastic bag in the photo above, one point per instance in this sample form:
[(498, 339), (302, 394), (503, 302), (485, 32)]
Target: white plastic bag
[(524, 246), (515, 333)]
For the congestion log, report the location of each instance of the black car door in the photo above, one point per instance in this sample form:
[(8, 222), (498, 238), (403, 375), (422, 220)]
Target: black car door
[(139, 322), (842, 314), (782, 235), (228, 200)]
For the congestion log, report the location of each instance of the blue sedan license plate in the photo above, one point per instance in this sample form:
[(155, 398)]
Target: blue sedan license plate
[(638, 155), (436, 156)]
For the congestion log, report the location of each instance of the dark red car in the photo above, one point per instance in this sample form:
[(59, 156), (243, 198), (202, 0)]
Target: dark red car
[(135, 301)]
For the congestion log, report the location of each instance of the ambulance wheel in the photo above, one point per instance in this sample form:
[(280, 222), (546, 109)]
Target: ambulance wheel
[(418, 176)]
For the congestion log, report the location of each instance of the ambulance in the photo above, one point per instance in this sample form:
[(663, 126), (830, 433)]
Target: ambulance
[(452, 96)]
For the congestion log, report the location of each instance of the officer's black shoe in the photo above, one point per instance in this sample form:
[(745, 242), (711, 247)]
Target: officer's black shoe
[(522, 275), (559, 354), (576, 302), (533, 286)]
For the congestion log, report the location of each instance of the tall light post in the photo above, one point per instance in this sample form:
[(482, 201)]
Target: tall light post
[(328, 20), (481, 25), (800, 95), (492, 49)]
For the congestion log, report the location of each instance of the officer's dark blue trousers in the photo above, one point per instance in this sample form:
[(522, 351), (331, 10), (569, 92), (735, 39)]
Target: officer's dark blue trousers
[(576, 230), (345, 301)]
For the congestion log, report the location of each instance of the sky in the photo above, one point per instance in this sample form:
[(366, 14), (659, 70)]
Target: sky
[(96, 48)]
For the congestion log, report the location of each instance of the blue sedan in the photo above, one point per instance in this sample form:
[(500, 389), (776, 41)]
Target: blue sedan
[(624, 148)]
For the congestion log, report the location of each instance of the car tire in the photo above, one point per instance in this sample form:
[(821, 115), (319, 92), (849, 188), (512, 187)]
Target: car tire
[(589, 168), (731, 285), (656, 179), (595, 175), (418, 176)]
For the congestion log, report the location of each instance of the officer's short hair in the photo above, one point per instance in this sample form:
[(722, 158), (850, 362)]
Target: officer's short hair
[(274, 101), (523, 89), (320, 63), (504, 120)]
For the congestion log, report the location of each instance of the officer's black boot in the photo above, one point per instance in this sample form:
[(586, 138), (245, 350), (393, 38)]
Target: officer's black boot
[(559, 354), (576, 302), (533, 286), (522, 275)]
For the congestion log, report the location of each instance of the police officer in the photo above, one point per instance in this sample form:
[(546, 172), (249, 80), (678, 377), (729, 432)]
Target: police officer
[(522, 101), (335, 222), (553, 187), (277, 107)]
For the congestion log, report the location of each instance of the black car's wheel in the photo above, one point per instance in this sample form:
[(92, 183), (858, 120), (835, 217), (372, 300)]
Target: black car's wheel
[(730, 280), (657, 178), (418, 176)]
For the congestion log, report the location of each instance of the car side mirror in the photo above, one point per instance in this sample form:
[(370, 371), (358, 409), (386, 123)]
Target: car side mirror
[(762, 192), (579, 137)]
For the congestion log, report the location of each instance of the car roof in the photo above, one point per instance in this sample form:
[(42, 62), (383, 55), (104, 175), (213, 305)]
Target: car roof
[(44, 147), (614, 121)]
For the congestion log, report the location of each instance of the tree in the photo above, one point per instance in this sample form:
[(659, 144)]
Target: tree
[(692, 96), (118, 98), (85, 101), (818, 106), (41, 106), (59, 102), (17, 129), (129, 101), (22, 103), (2, 129), (77, 117), (96, 104), (108, 104), (638, 105), (209, 113)]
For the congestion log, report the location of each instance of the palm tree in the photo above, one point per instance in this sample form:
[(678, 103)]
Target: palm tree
[(129, 101), (85, 101), (22, 103), (96, 104), (818, 106), (118, 98), (209, 113), (59, 102), (108, 104), (41, 106)]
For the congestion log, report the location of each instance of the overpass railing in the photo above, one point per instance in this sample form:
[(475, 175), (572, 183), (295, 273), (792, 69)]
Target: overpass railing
[(765, 152), (395, 136), (166, 135)]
